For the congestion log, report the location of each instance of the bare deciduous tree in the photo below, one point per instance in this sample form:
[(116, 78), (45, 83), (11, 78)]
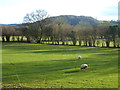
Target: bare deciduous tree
[(35, 21)]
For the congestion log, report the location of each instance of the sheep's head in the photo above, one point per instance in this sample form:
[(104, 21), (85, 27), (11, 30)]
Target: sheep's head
[(79, 57)]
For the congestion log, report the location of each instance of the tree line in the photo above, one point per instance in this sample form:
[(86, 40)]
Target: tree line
[(39, 28)]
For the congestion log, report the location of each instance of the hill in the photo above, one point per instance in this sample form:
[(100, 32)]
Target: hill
[(74, 20)]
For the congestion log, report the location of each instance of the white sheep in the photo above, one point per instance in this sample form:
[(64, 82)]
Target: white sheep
[(83, 66), (79, 57)]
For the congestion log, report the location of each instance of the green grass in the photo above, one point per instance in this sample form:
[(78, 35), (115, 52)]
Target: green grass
[(56, 66)]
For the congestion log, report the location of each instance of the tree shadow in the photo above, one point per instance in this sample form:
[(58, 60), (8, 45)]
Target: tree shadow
[(64, 51), (72, 71)]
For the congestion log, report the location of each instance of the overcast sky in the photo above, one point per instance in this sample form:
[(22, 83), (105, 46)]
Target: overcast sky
[(13, 11)]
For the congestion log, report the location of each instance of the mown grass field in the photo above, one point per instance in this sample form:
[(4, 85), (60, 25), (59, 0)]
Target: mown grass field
[(56, 66)]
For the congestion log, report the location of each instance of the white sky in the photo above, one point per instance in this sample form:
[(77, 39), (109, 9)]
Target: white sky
[(13, 11)]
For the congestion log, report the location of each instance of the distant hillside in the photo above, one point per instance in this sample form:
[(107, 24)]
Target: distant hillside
[(11, 24), (74, 20), (110, 22)]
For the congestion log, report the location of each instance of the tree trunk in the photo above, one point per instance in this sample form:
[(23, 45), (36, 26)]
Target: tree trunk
[(102, 44), (58, 42), (97, 43), (114, 43), (74, 42), (67, 42), (3, 39), (117, 45), (28, 39), (86, 43), (39, 41), (48, 40), (63, 43), (90, 44), (94, 43), (18, 38), (80, 42), (13, 38), (8, 38), (107, 44), (21, 39)]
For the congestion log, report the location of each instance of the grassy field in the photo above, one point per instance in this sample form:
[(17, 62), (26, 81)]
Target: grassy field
[(56, 66)]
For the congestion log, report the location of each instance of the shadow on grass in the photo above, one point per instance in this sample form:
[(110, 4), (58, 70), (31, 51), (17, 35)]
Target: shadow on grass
[(68, 51), (53, 49), (72, 71), (54, 66)]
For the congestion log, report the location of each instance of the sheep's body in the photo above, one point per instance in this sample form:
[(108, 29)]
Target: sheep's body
[(83, 66), (79, 57)]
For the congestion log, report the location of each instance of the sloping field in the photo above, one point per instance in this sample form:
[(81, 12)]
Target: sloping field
[(56, 66)]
